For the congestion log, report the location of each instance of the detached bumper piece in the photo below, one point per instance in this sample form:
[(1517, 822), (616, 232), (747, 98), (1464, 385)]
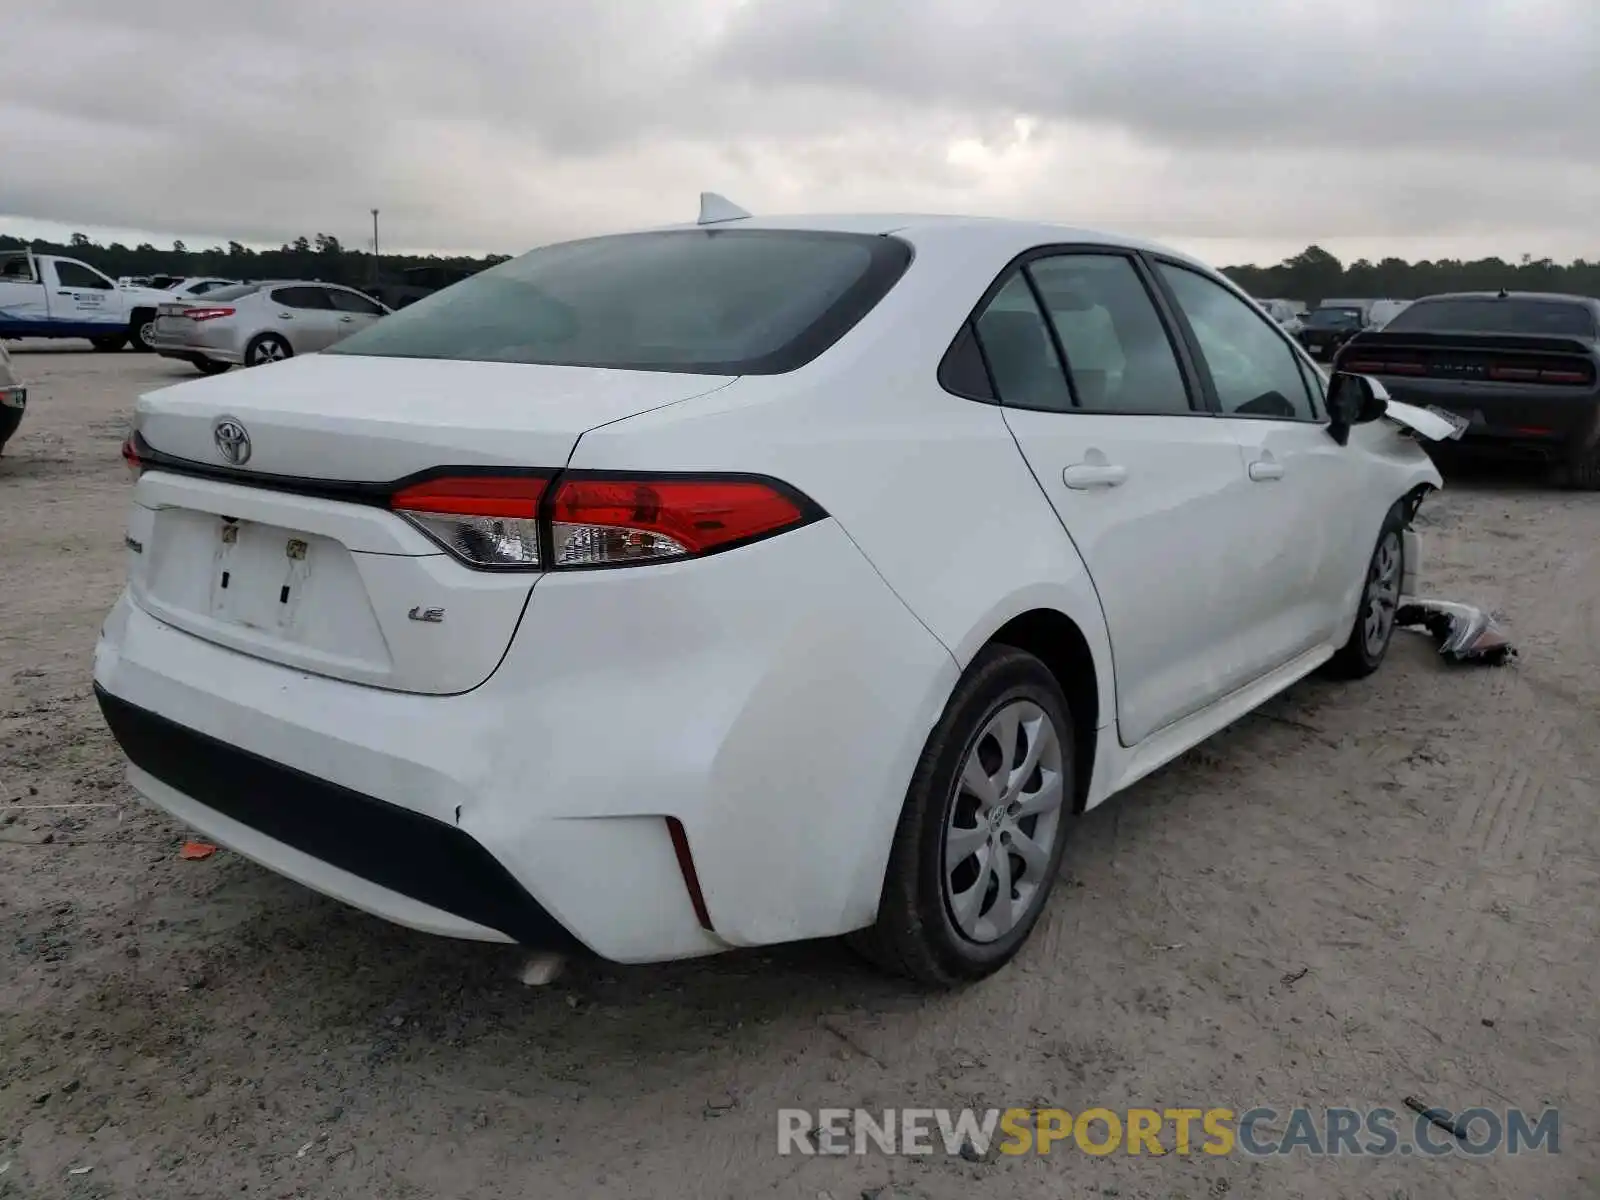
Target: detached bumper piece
[(427, 860), (1465, 634)]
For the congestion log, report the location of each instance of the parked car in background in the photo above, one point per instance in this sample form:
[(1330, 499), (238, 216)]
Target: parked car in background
[(13, 399), (1327, 327), (257, 323), (46, 296), (1519, 370), (1286, 313), (418, 282), (780, 679)]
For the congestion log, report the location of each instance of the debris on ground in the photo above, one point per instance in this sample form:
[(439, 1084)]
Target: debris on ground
[(1465, 634), (197, 850), (1439, 1117), (541, 969)]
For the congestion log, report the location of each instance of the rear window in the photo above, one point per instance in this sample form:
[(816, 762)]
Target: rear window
[(237, 291), (712, 301), (1553, 318), (1334, 318)]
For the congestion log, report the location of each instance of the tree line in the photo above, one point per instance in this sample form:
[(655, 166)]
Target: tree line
[(1310, 276), (322, 257), (1314, 275)]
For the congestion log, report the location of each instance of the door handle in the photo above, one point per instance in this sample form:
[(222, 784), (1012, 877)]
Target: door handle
[(1264, 469), (1083, 476), (285, 316), (346, 320)]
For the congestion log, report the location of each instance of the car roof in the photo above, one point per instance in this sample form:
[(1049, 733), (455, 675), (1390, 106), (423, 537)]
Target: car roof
[(1566, 297), (1003, 234), (264, 283)]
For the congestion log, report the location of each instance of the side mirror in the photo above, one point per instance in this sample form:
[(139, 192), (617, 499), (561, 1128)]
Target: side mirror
[(1353, 400)]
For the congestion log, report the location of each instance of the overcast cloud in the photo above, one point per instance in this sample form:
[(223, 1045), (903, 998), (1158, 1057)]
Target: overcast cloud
[(1242, 129)]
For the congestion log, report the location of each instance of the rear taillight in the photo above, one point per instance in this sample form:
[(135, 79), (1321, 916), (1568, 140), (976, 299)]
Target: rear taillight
[(608, 522), (1536, 374), (130, 458), (1366, 366), (207, 314), (523, 522), (486, 521)]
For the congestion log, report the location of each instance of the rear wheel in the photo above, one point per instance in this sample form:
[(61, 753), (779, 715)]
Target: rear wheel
[(142, 328), (209, 366), (108, 344), (1582, 471), (1368, 643), (983, 829), (266, 348)]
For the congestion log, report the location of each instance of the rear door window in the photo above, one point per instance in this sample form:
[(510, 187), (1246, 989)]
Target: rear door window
[(1016, 345), (350, 302), (708, 301), (303, 297), (1118, 353)]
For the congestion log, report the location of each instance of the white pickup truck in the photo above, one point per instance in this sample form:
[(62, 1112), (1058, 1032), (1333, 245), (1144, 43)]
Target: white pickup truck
[(42, 295)]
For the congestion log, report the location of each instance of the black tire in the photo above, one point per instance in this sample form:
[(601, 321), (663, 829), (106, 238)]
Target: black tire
[(267, 348), (1582, 471), (107, 345), (916, 933), (140, 325), (209, 366), (1361, 655)]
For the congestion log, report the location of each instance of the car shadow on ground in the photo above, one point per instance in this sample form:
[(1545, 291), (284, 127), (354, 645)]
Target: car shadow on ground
[(313, 977)]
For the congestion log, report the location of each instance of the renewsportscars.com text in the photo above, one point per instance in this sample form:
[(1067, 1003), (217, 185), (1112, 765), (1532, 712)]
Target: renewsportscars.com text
[(1256, 1132)]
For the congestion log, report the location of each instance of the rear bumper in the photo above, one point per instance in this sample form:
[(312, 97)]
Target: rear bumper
[(417, 870), (190, 353), (1512, 420), (772, 700), (219, 347)]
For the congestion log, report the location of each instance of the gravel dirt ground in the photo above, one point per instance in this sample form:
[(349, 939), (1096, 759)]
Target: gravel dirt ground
[(1363, 893)]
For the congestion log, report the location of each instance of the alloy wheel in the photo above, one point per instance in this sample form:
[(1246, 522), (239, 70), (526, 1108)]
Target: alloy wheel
[(1003, 822), (1383, 593)]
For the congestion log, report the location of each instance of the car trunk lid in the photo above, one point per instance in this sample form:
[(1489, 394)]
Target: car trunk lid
[(287, 551)]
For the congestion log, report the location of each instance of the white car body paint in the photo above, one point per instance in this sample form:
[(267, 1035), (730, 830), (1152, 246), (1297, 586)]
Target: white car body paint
[(774, 699)]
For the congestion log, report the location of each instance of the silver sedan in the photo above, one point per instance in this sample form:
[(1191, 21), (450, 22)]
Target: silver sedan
[(256, 323)]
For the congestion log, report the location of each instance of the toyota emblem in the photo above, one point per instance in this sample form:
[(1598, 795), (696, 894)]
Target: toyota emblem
[(233, 443)]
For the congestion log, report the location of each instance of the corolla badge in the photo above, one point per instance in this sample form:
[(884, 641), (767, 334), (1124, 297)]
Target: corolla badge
[(233, 441)]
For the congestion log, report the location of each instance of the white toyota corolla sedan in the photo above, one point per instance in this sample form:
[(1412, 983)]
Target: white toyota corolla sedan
[(762, 579)]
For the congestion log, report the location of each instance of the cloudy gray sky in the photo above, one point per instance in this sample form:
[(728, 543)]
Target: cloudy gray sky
[(1238, 129)]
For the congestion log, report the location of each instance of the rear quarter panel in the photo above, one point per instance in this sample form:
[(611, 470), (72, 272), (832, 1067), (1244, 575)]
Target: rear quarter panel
[(930, 488)]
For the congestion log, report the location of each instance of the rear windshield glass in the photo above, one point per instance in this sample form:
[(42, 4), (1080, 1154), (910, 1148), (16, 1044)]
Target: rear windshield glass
[(1557, 318), (1334, 318), (237, 291), (715, 302)]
